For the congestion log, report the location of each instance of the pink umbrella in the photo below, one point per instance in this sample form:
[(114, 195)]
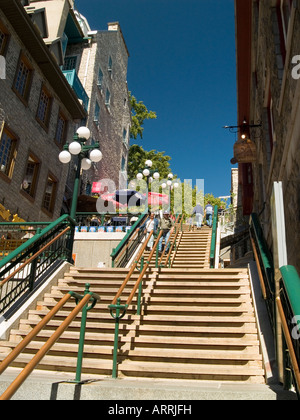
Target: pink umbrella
[(156, 199)]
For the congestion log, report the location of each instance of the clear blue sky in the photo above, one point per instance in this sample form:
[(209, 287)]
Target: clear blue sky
[(182, 65)]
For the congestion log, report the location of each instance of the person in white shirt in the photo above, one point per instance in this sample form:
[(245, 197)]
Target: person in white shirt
[(209, 211), (150, 224)]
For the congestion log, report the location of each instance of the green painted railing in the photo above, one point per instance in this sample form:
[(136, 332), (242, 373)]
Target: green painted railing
[(214, 238), (264, 261), (126, 243), (27, 266), (83, 304), (288, 304), (118, 310)]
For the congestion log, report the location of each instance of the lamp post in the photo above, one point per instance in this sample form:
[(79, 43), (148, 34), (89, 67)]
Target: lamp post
[(170, 184), (148, 173), (86, 155)]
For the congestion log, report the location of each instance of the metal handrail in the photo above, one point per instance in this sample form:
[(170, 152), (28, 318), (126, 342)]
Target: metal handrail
[(121, 310), (33, 257), (214, 238), (145, 268), (265, 266), (265, 262), (8, 259), (126, 238), (166, 245), (288, 340), (80, 305), (126, 246), (260, 274), (177, 230), (130, 248), (132, 268)]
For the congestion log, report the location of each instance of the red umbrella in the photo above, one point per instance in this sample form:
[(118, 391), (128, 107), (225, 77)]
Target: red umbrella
[(157, 199)]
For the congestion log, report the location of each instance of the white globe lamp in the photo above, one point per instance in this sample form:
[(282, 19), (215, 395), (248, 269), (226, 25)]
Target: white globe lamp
[(146, 172), (139, 176), (156, 175), (96, 155), (83, 133), (86, 164), (75, 148), (64, 156), (148, 163)]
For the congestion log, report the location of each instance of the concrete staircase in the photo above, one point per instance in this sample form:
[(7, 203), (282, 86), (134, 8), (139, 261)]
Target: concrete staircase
[(196, 323), (100, 327), (194, 249)]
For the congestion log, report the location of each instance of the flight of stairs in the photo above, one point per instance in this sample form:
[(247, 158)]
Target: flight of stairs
[(194, 249), (196, 323)]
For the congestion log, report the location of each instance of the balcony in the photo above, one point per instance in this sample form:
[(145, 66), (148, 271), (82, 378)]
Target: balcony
[(76, 84)]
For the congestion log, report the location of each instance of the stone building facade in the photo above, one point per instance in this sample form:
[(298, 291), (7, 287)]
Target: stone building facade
[(101, 65), (268, 56), (38, 111)]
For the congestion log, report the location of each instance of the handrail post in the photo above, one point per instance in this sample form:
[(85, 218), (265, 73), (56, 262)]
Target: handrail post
[(213, 238), (138, 311), (118, 307), (33, 266), (85, 310), (156, 257), (14, 386)]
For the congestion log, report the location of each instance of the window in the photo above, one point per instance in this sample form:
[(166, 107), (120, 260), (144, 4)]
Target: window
[(271, 123), (123, 164), (49, 195), (107, 97), (109, 68), (100, 78), (3, 39), (124, 135), (97, 113), (61, 129), (29, 183), (8, 149), (44, 107), (23, 79), (284, 8), (70, 63), (64, 42)]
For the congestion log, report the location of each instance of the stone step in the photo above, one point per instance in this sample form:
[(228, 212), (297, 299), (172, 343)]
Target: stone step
[(253, 374), (196, 323)]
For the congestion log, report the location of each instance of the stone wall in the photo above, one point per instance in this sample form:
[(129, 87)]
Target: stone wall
[(20, 118), (115, 117), (272, 80)]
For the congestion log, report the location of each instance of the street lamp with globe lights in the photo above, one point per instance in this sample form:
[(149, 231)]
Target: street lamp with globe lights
[(149, 173), (87, 154)]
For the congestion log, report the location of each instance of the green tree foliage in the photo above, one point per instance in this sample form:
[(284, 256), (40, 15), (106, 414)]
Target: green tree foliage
[(139, 113), (137, 157), (215, 201)]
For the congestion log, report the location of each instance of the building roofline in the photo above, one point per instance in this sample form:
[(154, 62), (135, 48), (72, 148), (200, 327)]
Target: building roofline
[(243, 23), (119, 30), (20, 21)]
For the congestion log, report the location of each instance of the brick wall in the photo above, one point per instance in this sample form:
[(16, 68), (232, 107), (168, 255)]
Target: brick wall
[(272, 77), (116, 117), (32, 137)]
